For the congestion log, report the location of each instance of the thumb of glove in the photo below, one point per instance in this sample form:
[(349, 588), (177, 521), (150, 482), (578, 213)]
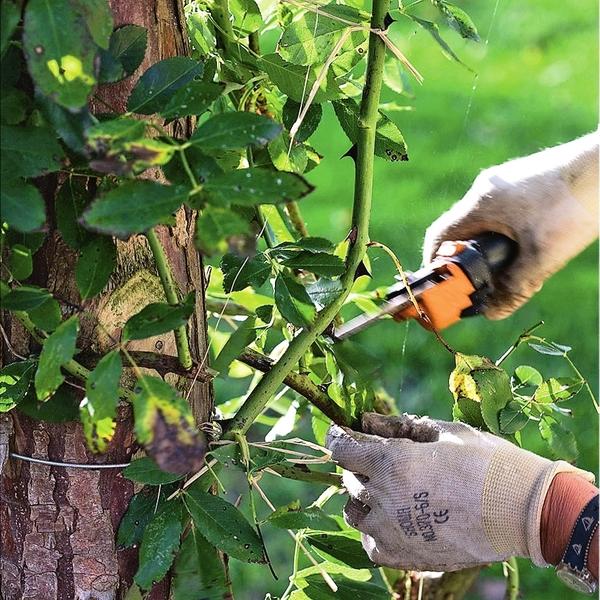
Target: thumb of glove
[(417, 429)]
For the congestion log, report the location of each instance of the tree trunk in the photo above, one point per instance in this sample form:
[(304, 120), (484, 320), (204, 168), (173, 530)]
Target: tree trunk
[(57, 524)]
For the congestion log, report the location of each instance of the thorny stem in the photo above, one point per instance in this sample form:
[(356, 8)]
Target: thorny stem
[(267, 387), (172, 296)]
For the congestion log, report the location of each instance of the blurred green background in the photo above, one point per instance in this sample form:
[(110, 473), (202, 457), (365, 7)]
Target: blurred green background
[(536, 87)]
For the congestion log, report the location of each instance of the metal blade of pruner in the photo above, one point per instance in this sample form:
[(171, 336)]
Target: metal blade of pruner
[(398, 300)]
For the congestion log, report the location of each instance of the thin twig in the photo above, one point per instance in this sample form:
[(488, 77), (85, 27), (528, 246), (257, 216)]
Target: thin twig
[(172, 296)]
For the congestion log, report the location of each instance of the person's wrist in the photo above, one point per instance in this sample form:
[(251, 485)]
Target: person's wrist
[(566, 498)]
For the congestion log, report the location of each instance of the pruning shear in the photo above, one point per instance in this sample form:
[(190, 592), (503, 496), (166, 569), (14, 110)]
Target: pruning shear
[(454, 285)]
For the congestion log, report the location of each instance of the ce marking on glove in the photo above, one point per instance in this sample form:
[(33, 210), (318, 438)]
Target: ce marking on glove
[(441, 516)]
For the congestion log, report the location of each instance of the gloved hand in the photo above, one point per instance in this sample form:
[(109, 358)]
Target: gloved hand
[(432, 495), (547, 202)]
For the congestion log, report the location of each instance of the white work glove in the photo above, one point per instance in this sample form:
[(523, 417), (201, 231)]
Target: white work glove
[(547, 202), (432, 495)]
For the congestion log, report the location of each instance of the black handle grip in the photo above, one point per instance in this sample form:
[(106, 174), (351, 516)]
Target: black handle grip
[(497, 249)]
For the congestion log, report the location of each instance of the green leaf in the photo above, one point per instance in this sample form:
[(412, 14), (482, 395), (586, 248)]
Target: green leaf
[(526, 375), (396, 77), (14, 106), (215, 226), (477, 380), (10, 16), (98, 19), (287, 155), (310, 39), (233, 130), (246, 16), (134, 207), (157, 318), (292, 79), (561, 441), (29, 151), (47, 316), (99, 407), (341, 548), (458, 19), (434, 31), (239, 273), (312, 244), (58, 349), (122, 129), (293, 301), (159, 545), (102, 386), (199, 572), (224, 526), (70, 124), (25, 297), (145, 470), (557, 389), (550, 348), (160, 82), (69, 206), (348, 589), (62, 407), (15, 380), (242, 337), (291, 111), (139, 513), (60, 53), (95, 266), (389, 141), (291, 516), (21, 205), (203, 167), (125, 53), (512, 418), (320, 263), (20, 262), (193, 99), (250, 187)]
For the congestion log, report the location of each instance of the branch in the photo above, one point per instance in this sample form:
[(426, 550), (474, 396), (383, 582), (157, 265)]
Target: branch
[(172, 296), (301, 384), (163, 363), (268, 385)]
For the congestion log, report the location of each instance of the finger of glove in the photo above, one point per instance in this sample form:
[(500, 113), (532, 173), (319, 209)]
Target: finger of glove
[(355, 513), (417, 429), (355, 487), (352, 450)]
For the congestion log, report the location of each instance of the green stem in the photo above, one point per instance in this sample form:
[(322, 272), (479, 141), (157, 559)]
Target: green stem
[(512, 579), (369, 112), (172, 296), (301, 384), (254, 42), (224, 28), (296, 219)]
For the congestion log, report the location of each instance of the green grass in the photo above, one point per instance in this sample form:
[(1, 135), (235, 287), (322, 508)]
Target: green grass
[(536, 88)]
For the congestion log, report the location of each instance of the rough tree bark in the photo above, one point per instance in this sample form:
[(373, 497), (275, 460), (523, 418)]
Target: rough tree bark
[(58, 525)]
